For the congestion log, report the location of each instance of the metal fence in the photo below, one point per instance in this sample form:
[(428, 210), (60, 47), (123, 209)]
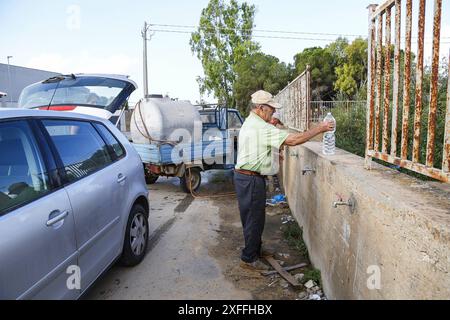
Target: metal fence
[(295, 100), (319, 109), (385, 95)]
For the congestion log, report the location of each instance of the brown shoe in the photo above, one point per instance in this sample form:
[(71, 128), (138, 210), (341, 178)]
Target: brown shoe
[(257, 265)]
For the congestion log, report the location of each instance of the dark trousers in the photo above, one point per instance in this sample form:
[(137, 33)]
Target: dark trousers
[(251, 194)]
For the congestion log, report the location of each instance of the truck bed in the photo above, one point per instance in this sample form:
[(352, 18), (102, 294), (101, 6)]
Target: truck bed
[(161, 154)]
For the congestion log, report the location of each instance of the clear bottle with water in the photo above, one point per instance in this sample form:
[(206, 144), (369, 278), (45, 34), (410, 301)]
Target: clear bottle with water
[(329, 139)]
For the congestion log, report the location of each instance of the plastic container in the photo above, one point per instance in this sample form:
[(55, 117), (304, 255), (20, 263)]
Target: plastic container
[(329, 139), (165, 120)]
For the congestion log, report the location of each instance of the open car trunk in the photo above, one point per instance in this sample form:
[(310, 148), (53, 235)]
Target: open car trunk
[(99, 95)]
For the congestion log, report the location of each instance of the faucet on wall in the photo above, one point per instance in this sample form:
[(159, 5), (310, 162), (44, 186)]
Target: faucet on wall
[(307, 169), (351, 203)]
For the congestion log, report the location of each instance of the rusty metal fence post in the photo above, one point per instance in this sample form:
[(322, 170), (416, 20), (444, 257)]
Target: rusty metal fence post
[(379, 96), (295, 99), (370, 84)]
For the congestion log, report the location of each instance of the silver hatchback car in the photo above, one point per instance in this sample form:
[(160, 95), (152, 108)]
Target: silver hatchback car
[(73, 200)]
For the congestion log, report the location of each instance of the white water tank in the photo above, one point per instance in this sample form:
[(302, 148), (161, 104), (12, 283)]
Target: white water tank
[(165, 120)]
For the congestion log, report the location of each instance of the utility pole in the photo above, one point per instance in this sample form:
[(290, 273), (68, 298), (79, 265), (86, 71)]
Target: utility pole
[(9, 80), (145, 69)]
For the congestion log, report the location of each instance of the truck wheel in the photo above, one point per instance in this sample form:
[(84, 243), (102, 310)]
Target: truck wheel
[(136, 237), (151, 178), (195, 181)]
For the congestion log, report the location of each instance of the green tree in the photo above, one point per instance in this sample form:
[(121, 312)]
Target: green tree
[(223, 38), (259, 71), (337, 51), (352, 74), (322, 67)]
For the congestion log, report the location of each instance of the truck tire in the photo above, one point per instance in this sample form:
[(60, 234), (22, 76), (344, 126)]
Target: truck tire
[(196, 180), (151, 178)]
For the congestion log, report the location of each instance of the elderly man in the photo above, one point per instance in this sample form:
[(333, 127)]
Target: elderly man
[(258, 156)]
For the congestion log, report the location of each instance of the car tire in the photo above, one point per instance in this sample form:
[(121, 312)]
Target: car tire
[(136, 237), (196, 179)]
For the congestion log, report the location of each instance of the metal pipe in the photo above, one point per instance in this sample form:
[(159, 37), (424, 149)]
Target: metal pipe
[(379, 99), (434, 83), (419, 82), (371, 85), (145, 69), (383, 7), (407, 83), (413, 166), (387, 80), (351, 203), (396, 87)]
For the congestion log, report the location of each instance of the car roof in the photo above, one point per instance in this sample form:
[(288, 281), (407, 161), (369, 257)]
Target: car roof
[(10, 113), (109, 76), (120, 77)]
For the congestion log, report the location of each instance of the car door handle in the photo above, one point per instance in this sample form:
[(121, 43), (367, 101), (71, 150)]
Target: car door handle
[(56, 216), (121, 178)]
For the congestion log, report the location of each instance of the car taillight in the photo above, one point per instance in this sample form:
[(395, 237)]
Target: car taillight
[(58, 108)]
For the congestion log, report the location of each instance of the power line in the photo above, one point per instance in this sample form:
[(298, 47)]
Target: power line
[(269, 37), (275, 31), (255, 36), (263, 31)]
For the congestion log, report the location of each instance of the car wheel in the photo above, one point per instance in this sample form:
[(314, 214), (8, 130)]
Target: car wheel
[(194, 182), (136, 237)]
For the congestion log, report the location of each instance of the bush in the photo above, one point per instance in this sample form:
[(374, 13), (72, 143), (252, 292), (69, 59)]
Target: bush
[(314, 275), (351, 128), (294, 236)]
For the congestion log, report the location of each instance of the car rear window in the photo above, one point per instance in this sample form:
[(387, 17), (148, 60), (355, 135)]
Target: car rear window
[(96, 92)]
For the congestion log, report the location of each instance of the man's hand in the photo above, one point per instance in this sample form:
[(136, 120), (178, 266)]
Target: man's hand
[(326, 126), (294, 139)]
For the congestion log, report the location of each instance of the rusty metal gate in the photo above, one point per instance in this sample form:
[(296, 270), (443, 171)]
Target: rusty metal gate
[(295, 99), (385, 104)]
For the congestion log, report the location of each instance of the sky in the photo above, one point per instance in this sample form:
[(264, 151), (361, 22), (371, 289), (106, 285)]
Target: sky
[(104, 36)]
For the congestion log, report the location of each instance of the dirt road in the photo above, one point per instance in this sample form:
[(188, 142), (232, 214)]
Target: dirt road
[(194, 250)]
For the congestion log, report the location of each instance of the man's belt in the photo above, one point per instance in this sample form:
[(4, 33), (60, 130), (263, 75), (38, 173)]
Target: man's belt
[(247, 172)]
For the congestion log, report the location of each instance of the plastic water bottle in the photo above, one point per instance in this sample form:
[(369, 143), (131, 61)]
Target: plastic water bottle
[(329, 139)]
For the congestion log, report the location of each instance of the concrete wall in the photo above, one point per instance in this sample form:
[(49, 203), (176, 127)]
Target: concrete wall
[(401, 225)]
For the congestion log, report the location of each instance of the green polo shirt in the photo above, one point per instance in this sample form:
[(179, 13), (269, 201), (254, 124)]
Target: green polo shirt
[(259, 144)]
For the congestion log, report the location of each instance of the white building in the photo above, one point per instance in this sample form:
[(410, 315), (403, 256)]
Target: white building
[(14, 78)]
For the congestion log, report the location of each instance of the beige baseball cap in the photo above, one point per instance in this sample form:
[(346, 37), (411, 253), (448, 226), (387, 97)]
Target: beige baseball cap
[(264, 97)]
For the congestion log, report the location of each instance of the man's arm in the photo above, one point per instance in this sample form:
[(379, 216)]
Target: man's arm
[(294, 139)]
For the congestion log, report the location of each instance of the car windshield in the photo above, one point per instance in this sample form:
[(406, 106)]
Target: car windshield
[(84, 91), (208, 117)]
